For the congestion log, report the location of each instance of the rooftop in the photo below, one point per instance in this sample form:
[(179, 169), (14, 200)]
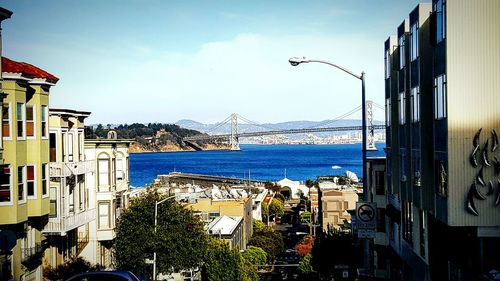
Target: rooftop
[(26, 69)]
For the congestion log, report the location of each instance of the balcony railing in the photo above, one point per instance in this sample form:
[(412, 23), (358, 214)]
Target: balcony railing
[(66, 169), (31, 254), (62, 225)]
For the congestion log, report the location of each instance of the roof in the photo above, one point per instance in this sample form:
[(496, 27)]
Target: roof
[(287, 182), (27, 69), (70, 112), (224, 225)]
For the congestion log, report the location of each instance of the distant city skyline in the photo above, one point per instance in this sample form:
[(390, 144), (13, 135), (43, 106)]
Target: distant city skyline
[(163, 61)]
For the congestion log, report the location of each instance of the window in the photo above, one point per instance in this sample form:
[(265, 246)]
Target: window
[(30, 180), (53, 202), (402, 106), (70, 147), (119, 170), (52, 147), (440, 9), (45, 180), (6, 120), (387, 63), (401, 52), (379, 182), (103, 167), (388, 112), (402, 165), (21, 195), (407, 221), (104, 215), (415, 104), (20, 120), (30, 121), (5, 191), (421, 223), (414, 41), (441, 178), (80, 146), (440, 97), (45, 127)]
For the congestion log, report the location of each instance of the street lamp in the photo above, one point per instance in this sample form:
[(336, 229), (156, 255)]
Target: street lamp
[(156, 223), (296, 61)]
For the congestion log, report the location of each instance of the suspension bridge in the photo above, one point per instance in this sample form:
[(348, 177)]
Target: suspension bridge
[(234, 136)]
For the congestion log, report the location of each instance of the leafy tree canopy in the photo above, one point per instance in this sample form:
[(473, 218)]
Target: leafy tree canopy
[(180, 240), (68, 269), (221, 263), (255, 255), (276, 208)]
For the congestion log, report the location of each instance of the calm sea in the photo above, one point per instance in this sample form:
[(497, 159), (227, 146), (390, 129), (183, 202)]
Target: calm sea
[(263, 162)]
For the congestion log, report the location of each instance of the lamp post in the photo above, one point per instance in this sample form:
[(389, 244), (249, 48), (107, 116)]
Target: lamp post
[(156, 223), (296, 61)]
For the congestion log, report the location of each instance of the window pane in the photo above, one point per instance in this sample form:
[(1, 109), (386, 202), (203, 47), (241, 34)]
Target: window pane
[(29, 113), (31, 173), (19, 111), (5, 185), (20, 183)]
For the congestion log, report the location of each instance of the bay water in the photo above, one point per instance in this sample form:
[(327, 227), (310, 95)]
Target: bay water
[(261, 162)]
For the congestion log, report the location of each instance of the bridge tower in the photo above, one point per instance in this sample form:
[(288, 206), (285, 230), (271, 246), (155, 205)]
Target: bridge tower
[(234, 141), (370, 145)]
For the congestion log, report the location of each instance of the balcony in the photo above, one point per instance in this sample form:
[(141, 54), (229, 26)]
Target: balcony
[(66, 169), (60, 226), (32, 255)]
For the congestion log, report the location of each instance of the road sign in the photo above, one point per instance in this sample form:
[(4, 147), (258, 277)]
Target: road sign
[(366, 219), (366, 233)]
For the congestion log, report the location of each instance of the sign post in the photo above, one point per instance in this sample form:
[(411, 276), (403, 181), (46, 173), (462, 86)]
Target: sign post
[(366, 219)]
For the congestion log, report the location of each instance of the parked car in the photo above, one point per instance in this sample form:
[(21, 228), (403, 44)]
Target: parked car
[(105, 275)]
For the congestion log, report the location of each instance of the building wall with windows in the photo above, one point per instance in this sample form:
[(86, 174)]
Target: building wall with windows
[(442, 212), (109, 191), (70, 211), (229, 207), (334, 205), (24, 198)]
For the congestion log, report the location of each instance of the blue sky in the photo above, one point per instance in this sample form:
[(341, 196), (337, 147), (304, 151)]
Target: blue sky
[(160, 61)]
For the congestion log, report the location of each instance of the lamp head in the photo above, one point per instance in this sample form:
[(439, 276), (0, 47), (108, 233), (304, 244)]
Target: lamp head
[(296, 60)]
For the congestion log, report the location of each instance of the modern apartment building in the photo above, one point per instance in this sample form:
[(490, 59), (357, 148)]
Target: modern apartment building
[(441, 87), (70, 212), (24, 175), (109, 192)]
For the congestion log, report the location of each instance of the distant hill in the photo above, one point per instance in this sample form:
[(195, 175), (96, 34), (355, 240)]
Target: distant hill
[(150, 137)]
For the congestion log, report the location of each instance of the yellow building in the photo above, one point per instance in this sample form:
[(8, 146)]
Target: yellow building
[(70, 212), (24, 192), (334, 203), (227, 207)]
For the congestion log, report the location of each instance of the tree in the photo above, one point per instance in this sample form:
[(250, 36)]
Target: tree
[(276, 208), (305, 265), (221, 263), (268, 240), (68, 269), (280, 197), (180, 241), (304, 246), (258, 226), (255, 255), (265, 211)]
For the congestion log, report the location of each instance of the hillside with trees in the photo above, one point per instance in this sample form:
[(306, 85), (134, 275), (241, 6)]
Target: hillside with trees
[(152, 137)]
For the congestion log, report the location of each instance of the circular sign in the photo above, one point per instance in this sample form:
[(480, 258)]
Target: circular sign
[(366, 213)]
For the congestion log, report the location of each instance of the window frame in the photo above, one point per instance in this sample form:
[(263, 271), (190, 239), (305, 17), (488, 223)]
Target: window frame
[(415, 99), (9, 120), (387, 64), (45, 181), (23, 121), (28, 181), (401, 44), (21, 183), (440, 10), (107, 205), (32, 121), (44, 121), (11, 189), (414, 40), (388, 112), (99, 184), (440, 97), (402, 108)]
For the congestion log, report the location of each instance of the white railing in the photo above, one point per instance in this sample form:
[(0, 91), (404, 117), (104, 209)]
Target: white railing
[(66, 169), (63, 225)]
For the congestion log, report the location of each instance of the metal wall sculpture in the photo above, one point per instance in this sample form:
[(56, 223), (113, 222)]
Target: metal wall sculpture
[(479, 189)]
